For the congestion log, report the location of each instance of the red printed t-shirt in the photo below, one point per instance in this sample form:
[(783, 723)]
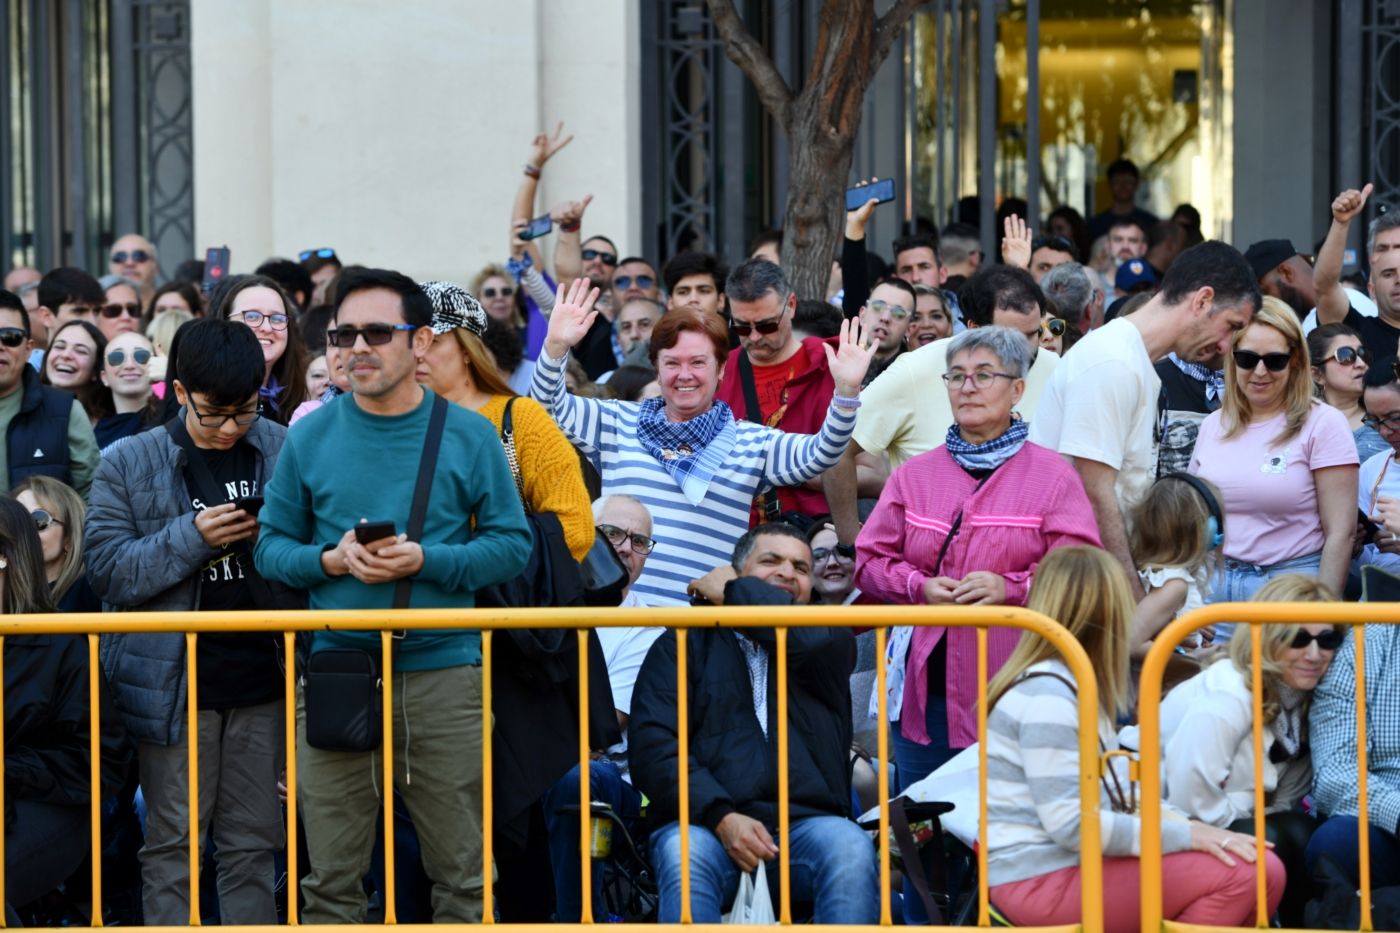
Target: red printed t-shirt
[(769, 383)]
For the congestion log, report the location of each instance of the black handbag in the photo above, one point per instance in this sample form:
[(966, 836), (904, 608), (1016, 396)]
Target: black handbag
[(552, 577), (342, 687)]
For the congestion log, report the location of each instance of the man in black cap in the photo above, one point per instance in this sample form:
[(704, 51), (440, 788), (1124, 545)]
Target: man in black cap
[(1283, 274)]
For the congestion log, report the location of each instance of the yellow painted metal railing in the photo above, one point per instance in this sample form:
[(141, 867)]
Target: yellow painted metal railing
[(1154, 666), (491, 621)]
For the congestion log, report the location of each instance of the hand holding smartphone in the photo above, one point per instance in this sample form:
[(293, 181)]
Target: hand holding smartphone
[(369, 532), (879, 191)]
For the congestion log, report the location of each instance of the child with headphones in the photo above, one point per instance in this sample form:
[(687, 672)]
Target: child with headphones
[(1176, 534)]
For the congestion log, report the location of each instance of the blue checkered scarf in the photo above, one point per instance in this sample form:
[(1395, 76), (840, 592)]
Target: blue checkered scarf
[(691, 451), (990, 455), (1213, 378)]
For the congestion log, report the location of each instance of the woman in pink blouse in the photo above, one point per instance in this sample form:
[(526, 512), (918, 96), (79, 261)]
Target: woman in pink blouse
[(965, 524)]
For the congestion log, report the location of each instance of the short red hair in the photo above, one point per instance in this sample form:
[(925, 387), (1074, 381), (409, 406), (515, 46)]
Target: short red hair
[(677, 321)]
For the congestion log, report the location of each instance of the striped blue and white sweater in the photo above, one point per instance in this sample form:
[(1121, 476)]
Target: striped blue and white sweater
[(1033, 785), (691, 540)]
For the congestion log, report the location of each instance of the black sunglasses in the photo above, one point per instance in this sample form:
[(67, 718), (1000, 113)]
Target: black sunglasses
[(12, 337), (505, 291), (744, 328), (1347, 356), (141, 355), (117, 309), (324, 252), (376, 335), (136, 255), (1055, 327), (43, 519), (624, 282), (607, 259), (1329, 640), (1274, 362)]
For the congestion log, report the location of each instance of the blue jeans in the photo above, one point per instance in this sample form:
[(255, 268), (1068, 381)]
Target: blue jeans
[(915, 762), (832, 862), (605, 783), (1237, 582), (1337, 839)]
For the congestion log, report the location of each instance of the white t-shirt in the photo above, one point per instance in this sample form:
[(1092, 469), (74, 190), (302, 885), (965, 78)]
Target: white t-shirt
[(1361, 303), (1100, 405), (1379, 475), (624, 650)]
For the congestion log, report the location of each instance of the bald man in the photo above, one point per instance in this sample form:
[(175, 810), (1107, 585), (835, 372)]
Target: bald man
[(133, 257)]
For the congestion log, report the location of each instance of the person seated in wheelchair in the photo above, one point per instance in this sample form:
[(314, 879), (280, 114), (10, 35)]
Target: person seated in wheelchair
[(733, 731), (626, 522)]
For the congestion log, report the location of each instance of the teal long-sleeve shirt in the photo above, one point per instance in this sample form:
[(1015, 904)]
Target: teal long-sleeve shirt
[(341, 465)]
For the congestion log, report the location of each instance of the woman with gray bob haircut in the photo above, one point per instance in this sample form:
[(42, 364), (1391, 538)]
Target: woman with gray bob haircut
[(1007, 345)]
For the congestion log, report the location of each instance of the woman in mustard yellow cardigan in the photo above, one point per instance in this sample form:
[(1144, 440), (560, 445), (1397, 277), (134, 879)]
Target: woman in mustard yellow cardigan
[(460, 369)]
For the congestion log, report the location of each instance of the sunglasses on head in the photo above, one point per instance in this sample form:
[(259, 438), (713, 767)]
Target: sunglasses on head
[(1058, 243), (624, 282), (505, 291), (324, 252), (607, 259), (117, 309), (43, 519), (770, 326), (1055, 327), (1348, 355), (1248, 360), (12, 337), (135, 255), (1329, 640), (376, 335), (141, 355)]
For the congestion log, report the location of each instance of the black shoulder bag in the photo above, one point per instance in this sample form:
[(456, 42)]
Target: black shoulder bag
[(343, 689)]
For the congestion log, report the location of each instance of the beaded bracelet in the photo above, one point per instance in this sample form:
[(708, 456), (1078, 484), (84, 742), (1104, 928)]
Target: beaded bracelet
[(532, 171)]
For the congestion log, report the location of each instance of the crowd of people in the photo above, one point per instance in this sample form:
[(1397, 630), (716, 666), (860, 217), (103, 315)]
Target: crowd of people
[(1116, 423)]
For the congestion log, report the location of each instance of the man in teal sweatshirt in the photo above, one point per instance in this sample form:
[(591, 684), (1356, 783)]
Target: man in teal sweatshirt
[(357, 460)]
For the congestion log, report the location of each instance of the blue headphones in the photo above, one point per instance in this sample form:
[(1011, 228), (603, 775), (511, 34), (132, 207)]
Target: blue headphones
[(1215, 525)]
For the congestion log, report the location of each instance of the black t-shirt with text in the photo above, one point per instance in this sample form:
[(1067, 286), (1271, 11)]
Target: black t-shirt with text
[(234, 669)]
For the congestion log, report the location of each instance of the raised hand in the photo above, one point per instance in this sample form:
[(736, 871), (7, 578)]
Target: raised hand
[(849, 363), (1016, 244), (571, 318), (543, 147), (517, 245), (858, 218), (1349, 203), (570, 212)]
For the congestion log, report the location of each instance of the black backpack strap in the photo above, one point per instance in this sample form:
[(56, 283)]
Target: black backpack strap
[(752, 411), (427, 465)]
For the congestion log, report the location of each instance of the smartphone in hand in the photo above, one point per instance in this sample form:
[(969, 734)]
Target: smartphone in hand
[(537, 228), (881, 191), (368, 532)]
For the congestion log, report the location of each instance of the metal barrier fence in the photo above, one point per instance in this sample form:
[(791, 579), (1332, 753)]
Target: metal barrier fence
[(492, 621), (1154, 666)]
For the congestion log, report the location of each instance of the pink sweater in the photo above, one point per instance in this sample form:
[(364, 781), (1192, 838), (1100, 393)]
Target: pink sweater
[(1032, 504)]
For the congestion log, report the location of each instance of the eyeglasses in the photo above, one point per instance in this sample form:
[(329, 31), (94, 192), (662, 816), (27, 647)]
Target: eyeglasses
[(1329, 640), (770, 326), (136, 255), (324, 252), (1274, 362), (12, 337), (624, 282), (215, 420), (505, 291), (376, 335), (254, 319), (43, 519), (1058, 243), (607, 259), (982, 378), (1054, 326), (141, 355), (641, 544), (1388, 423), (898, 312), (117, 309), (822, 554), (1347, 356)]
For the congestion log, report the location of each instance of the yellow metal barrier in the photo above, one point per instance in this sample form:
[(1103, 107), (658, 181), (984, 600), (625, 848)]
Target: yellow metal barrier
[(491, 621), (1154, 666)]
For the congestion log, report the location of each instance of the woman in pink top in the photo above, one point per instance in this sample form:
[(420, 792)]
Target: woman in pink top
[(965, 524), (1285, 463)]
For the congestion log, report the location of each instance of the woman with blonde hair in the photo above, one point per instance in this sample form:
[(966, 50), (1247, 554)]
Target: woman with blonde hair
[(1033, 775), (497, 291), (1208, 733), (459, 368), (58, 512), (1285, 463)]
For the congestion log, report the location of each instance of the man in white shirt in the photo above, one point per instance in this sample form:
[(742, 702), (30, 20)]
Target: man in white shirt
[(1378, 483), (1099, 409), (626, 523)]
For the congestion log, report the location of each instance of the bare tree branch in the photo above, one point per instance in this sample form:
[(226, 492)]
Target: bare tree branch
[(888, 28), (746, 52)]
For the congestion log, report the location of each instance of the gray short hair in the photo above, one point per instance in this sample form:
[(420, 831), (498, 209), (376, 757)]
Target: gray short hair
[(600, 504), (1007, 345), (112, 279), (1069, 290), (752, 279), (1383, 222)]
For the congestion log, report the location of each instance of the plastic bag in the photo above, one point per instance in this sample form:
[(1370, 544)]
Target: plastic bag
[(753, 904)]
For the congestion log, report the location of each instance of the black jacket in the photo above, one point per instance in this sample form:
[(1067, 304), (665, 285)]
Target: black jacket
[(36, 439), (46, 721), (733, 767)]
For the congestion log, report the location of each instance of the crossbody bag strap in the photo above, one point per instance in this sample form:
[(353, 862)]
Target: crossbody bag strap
[(419, 512), (913, 858), (751, 408), (512, 456)]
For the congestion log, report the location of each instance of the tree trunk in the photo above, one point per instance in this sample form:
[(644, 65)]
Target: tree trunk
[(818, 167)]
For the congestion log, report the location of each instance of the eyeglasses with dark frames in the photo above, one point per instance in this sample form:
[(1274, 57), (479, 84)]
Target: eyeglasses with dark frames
[(982, 378), (770, 326), (210, 419), (1248, 360), (641, 544), (116, 309), (277, 320), (607, 259), (376, 335), (1329, 640)]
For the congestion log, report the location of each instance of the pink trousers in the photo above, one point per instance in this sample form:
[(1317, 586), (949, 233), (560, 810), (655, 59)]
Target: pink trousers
[(1197, 888)]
